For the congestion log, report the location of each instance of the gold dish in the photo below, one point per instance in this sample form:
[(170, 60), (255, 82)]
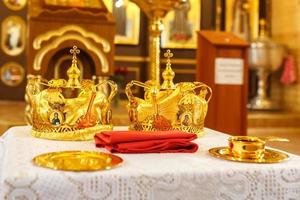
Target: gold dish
[(246, 146), (269, 156), (78, 160), (250, 146)]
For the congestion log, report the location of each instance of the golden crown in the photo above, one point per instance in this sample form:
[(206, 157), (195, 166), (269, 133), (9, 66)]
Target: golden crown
[(182, 106), (70, 109)]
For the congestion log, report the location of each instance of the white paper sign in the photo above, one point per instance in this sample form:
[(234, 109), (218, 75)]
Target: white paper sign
[(229, 71)]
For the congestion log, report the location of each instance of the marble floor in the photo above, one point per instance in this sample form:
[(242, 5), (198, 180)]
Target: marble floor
[(260, 124)]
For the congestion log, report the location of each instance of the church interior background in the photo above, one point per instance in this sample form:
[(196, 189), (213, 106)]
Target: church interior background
[(113, 34)]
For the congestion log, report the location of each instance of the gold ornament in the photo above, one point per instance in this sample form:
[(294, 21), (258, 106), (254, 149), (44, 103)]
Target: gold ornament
[(269, 156), (182, 106), (68, 109), (78, 161), (249, 149)]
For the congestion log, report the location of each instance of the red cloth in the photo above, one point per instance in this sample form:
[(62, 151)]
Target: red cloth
[(289, 74), (147, 142)]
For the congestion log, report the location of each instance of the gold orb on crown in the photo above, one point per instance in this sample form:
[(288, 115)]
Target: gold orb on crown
[(182, 106), (70, 109)]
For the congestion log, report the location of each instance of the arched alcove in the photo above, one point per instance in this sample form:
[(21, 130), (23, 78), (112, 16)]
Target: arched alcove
[(62, 60)]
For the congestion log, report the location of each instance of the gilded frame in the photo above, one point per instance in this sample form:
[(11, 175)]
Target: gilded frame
[(132, 24), (189, 41), (16, 73), (95, 4), (13, 27), (19, 5), (253, 12)]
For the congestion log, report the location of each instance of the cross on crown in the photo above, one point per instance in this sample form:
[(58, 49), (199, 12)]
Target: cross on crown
[(74, 51), (168, 55)]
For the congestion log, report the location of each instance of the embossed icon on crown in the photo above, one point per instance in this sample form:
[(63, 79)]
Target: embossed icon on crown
[(70, 109), (182, 106)]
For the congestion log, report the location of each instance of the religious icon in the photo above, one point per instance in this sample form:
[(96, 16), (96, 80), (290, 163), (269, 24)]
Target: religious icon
[(186, 119), (12, 74), (127, 16), (13, 35), (56, 118), (242, 18), (181, 25), (119, 12), (15, 4), (180, 29)]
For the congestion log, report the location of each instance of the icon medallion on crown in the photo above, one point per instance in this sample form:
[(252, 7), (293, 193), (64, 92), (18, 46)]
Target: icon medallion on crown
[(182, 106), (72, 109)]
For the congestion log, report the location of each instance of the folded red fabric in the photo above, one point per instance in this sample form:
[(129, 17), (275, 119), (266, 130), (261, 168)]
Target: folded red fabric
[(146, 141)]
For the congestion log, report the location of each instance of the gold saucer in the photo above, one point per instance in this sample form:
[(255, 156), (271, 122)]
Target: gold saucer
[(78, 160), (270, 156)]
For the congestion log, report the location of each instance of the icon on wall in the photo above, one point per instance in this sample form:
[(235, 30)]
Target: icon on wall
[(181, 25), (242, 18), (15, 4), (12, 74), (13, 35), (127, 16)]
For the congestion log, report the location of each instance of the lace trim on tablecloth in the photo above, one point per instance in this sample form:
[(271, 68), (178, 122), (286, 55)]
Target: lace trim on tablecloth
[(229, 185), (2, 153)]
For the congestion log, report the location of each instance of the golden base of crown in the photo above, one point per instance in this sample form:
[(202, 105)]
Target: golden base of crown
[(71, 134), (199, 130)]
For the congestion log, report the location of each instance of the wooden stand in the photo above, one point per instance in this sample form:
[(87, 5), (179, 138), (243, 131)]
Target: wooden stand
[(224, 51)]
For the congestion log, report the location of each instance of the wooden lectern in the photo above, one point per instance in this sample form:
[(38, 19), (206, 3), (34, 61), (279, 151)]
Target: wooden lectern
[(222, 64)]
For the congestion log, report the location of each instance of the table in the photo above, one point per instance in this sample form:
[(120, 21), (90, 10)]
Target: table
[(142, 176)]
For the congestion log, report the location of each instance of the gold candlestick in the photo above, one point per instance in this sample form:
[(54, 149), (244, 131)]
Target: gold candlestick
[(155, 10)]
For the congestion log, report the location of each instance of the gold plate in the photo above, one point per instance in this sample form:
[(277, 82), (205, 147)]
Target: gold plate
[(270, 156), (78, 160)]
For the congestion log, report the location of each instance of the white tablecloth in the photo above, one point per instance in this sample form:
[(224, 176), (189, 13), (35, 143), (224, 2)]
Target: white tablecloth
[(142, 176)]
